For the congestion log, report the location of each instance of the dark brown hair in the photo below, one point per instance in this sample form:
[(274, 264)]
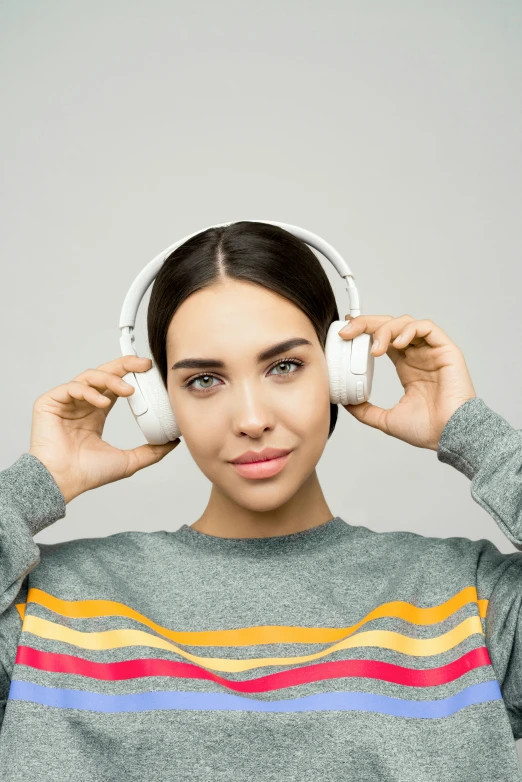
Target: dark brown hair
[(255, 252)]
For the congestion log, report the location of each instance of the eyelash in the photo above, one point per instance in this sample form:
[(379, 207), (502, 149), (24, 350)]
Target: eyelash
[(295, 361)]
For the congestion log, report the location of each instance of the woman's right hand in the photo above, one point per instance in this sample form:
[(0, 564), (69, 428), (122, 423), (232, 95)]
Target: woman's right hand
[(68, 423)]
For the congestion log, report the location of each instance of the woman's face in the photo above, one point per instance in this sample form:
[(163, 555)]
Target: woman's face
[(245, 404)]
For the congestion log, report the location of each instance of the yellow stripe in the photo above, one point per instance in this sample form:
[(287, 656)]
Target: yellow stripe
[(116, 639), (253, 636)]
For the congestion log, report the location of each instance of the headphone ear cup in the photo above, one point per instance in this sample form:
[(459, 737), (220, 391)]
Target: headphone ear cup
[(350, 366), (150, 406)]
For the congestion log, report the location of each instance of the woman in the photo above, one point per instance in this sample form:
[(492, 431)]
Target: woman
[(269, 640)]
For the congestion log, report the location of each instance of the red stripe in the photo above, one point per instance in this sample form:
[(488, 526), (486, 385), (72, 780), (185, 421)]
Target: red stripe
[(371, 669)]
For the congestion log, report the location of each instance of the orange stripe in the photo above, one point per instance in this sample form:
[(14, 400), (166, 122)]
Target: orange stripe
[(253, 636)]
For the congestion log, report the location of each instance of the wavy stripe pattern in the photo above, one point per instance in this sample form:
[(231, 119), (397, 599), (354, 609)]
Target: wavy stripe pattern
[(217, 701), (198, 667), (369, 669)]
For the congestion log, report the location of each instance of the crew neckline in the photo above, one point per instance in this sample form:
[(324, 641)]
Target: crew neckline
[(324, 530)]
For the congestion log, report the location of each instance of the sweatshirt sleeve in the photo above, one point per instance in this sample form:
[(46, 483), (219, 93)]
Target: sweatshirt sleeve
[(488, 450), (30, 501)]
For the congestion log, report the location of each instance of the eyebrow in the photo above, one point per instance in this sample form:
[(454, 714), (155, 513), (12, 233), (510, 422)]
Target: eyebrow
[(275, 350)]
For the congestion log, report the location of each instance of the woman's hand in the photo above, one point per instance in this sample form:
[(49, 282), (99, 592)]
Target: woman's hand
[(67, 426), (432, 371)]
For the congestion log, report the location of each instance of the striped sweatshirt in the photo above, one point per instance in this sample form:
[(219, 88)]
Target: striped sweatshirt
[(335, 653)]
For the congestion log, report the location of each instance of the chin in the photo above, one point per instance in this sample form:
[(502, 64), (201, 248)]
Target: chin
[(260, 496), (261, 506)]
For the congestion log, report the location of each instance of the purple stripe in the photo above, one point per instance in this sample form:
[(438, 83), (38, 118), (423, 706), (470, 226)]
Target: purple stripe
[(218, 701)]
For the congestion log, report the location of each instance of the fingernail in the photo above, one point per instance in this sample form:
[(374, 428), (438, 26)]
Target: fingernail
[(375, 345), (345, 328)]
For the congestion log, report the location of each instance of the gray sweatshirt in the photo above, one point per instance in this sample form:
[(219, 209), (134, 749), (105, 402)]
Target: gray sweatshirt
[(336, 653)]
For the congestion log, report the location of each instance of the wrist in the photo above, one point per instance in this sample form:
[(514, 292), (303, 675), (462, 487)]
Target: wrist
[(67, 491)]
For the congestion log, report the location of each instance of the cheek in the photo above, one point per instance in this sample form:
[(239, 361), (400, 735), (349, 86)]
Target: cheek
[(204, 435), (311, 402), (198, 423)]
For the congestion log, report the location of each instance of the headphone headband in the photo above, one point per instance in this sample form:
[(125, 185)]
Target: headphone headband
[(147, 275)]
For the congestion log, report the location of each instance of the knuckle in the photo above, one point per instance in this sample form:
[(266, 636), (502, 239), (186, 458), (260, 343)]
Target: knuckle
[(84, 375)]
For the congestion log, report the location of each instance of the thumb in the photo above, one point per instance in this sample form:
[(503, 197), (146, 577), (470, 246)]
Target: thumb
[(369, 414), (148, 454)]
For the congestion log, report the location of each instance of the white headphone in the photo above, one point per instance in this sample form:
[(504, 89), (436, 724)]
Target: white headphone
[(350, 362)]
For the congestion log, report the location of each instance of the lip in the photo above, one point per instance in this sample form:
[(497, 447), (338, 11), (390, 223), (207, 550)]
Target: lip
[(265, 454), (263, 469)]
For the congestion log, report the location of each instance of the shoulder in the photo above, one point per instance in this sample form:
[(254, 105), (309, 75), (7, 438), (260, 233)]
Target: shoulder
[(116, 552), (452, 559)]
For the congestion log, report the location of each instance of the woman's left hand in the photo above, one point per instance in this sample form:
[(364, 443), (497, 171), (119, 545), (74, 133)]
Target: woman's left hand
[(432, 371)]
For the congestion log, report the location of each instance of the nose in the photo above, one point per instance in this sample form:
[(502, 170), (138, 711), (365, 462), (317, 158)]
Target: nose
[(251, 411)]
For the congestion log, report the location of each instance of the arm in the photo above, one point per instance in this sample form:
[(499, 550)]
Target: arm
[(488, 450), (30, 501)]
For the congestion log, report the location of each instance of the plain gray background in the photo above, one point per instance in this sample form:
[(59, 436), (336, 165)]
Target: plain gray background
[(392, 129)]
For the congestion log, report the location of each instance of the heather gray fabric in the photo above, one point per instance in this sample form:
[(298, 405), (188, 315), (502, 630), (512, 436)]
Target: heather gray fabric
[(271, 698)]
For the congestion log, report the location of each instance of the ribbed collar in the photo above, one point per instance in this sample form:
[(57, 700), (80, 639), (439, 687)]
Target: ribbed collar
[(331, 529)]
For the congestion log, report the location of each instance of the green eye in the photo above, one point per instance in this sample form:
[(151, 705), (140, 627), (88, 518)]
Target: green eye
[(288, 363), (204, 375), (201, 377)]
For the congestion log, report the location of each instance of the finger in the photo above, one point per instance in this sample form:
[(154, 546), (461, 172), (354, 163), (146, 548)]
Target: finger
[(105, 381), (369, 414), (421, 335), (145, 455), (386, 330), (113, 398), (131, 363), (363, 323), (415, 333), (407, 337), (422, 331), (67, 393), (376, 324), (110, 386)]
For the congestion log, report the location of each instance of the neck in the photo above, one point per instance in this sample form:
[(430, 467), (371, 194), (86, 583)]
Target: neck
[(224, 518)]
